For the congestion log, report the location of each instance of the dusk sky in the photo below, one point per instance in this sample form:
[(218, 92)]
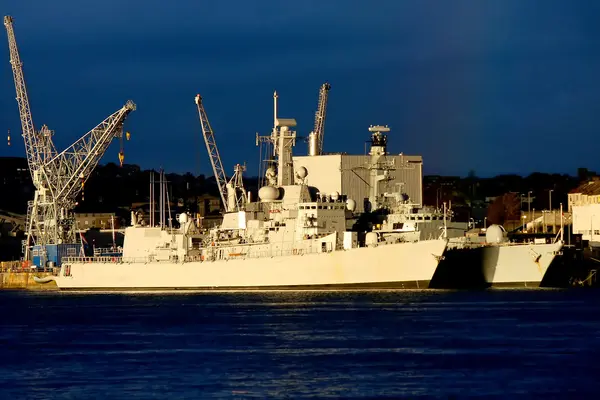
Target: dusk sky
[(506, 86)]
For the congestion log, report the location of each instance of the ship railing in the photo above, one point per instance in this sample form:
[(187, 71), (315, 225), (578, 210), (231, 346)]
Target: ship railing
[(115, 259), (235, 254), (83, 260)]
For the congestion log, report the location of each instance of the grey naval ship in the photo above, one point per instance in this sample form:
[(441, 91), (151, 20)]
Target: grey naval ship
[(467, 263), (494, 261), (497, 261), (293, 237)]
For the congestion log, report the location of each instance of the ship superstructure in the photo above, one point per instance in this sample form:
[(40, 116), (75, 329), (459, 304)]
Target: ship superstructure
[(291, 238)]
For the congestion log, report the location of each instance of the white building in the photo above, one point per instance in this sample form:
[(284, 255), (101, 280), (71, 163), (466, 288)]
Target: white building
[(584, 202), (585, 194), (586, 220)]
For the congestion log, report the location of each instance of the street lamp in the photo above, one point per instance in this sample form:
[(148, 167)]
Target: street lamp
[(550, 199), (484, 222), (529, 203), (524, 227), (472, 223)]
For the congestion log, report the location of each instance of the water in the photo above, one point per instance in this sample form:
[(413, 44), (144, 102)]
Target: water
[(388, 344)]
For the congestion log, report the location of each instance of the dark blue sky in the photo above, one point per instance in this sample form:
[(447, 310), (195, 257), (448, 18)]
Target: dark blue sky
[(507, 86)]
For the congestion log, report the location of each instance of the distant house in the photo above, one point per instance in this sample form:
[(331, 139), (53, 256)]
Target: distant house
[(585, 194), (584, 202), (97, 220)]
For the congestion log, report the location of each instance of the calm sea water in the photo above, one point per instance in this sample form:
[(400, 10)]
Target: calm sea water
[(389, 344)]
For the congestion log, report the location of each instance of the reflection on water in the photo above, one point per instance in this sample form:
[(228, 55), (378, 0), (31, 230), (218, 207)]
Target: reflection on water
[(299, 344)]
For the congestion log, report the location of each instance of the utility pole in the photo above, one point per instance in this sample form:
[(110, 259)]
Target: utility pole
[(529, 205), (550, 199)]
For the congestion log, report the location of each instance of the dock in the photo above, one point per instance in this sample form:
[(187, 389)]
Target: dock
[(14, 277)]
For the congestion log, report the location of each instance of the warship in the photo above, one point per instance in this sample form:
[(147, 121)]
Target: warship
[(467, 262), (494, 261), (292, 237), (499, 262)]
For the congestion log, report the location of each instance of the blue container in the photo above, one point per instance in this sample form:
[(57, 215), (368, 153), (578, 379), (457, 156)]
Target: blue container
[(41, 255)]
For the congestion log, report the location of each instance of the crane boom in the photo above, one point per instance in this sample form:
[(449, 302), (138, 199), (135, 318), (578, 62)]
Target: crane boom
[(74, 164), (29, 134), (315, 146), (320, 115), (213, 151)]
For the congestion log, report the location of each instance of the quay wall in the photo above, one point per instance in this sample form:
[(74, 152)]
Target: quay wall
[(14, 277)]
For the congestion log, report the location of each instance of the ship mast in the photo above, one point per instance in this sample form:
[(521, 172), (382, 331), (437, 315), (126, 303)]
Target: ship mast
[(378, 167), (283, 139)]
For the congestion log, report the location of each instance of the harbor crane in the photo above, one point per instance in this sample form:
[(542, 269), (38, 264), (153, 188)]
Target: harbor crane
[(58, 177), (232, 192), (315, 138)]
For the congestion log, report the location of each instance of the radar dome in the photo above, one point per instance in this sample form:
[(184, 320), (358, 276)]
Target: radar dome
[(350, 205), (371, 239), (301, 172), (495, 234), (268, 193), (183, 218), (335, 196)]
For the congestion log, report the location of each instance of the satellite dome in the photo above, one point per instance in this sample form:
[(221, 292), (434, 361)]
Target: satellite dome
[(350, 205), (301, 172), (268, 193), (495, 234), (183, 218), (371, 239)]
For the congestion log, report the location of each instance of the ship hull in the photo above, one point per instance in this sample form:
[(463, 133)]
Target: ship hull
[(506, 266), (401, 265)]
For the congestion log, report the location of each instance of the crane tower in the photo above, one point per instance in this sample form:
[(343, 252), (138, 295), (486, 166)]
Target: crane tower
[(58, 177), (315, 138), (232, 193)]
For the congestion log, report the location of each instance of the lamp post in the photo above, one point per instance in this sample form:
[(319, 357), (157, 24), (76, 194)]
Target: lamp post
[(529, 203), (524, 227), (550, 199), (544, 220), (484, 222)]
